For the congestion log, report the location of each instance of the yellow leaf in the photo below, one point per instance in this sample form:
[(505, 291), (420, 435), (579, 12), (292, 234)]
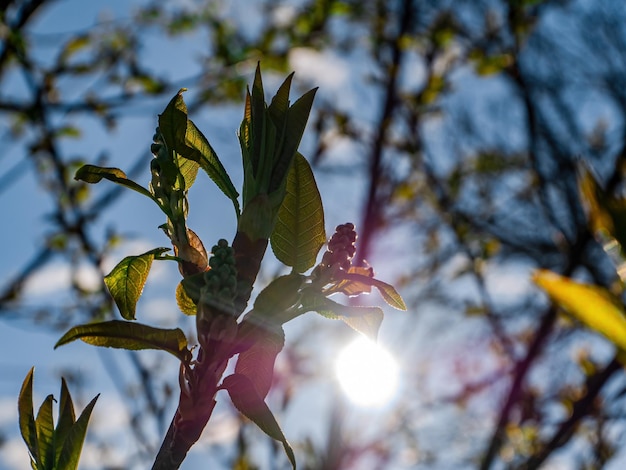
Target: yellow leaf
[(593, 305)]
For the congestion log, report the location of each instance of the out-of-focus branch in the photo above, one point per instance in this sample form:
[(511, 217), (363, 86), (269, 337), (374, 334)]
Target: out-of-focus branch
[(580, 409), (521, 370), (373, 208)]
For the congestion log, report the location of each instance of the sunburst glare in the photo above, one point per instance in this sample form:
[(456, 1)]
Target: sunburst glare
[(367, 373)]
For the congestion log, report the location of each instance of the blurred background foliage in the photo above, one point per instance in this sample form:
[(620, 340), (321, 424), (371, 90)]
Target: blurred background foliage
[(451, 132)]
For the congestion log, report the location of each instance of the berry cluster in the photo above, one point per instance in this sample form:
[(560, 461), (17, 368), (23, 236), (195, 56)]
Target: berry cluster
[(341, 247), (220, 282)]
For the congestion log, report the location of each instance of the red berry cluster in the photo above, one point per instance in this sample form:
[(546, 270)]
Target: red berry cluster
[(341, 247)]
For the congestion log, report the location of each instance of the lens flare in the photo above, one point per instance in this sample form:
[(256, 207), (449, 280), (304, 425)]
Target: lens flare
[(367, 373)]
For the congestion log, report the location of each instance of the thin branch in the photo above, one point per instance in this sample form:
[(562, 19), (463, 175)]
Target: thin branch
[(372, 210), (581, 408)]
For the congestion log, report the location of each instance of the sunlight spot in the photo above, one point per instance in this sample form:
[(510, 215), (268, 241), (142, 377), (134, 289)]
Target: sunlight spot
[(367, 373)]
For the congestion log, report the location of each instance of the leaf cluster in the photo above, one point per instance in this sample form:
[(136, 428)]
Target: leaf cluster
[(50, 447), (281, 202)]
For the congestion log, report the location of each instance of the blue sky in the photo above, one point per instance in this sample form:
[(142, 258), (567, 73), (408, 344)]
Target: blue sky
[(25, 345), (339, 76)]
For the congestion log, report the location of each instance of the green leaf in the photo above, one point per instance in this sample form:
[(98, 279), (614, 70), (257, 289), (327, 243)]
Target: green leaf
[(261, 336), (280, 104), (262, 344), (296, 120), (127, 280), (183, 137), (45, 434), (354, 284), (277, 112), (365, 320), (28, 428), (173, 121), (279, 295), (299, 232), (188, 170), (94, 174), (185, 303), (245, 127), (129, 335), (73, 443), (389, 294), (257, 119), (197, 148), (66, 419), (247, 400), (192, 286), (593, 305)]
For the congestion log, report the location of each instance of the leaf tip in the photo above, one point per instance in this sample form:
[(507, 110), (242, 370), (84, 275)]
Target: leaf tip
[(542, 277)]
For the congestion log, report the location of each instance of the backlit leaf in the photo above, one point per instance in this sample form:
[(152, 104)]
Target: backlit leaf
[(188, 170), (279, 295), (192, 253), (45, 433), (261, 336), (193, 285), (256, 362), (126, 281), (246, 399), (173, 121), (257, 118), (27, 416), (129, 335), (185, 304), (73, 443), (94, 174), (355, 283), (365, 320), (299, 232), (280, 104), (593, 305), (389, 294), (244, 128), (295, 123), (197, 148), (66, 419), (183, 137)]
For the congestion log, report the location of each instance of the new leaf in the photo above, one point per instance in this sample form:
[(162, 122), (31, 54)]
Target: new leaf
[(127, 280), (73, 442), (355, 283), (52, 448), (365, 320), (246, 399), (94, 174), (299, 232), (183, 137), (127, 335), (45, 434), (28, 428)]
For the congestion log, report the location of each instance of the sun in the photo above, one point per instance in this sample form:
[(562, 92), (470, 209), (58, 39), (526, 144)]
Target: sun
[(367, 373)]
